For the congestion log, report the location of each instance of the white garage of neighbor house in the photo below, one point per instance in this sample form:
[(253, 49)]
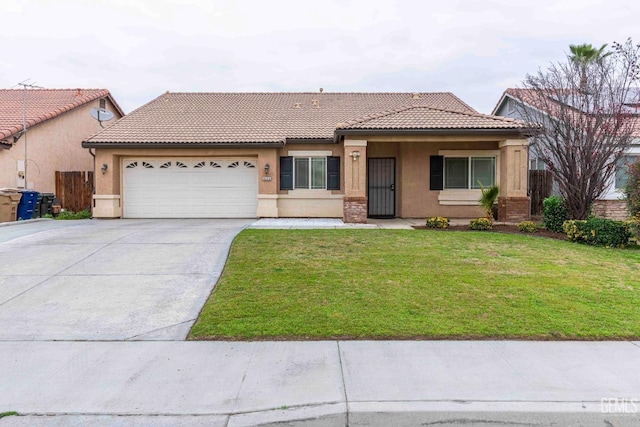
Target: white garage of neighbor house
[(345, 155)]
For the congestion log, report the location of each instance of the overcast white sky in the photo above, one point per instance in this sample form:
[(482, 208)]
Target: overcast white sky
[(139, 49)]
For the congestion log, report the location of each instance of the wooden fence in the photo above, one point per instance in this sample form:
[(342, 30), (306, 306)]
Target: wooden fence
[(74, 190), (540, 187)]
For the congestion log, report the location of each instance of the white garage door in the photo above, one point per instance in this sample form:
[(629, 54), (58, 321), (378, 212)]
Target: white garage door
[(189, 188)]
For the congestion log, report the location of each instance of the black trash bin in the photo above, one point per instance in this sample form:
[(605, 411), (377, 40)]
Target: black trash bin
[(36, 207), (46, 205)]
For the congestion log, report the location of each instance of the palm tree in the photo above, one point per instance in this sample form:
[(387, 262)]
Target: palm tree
[(488, 198), (584, 54)]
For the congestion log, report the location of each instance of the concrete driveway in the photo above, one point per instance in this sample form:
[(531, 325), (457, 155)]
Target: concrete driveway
[(109, 279)]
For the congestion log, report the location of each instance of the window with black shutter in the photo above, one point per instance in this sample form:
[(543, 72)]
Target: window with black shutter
[(333, 173), (286, 173), (436, 169)]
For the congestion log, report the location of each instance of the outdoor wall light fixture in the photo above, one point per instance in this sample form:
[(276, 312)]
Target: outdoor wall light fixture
[(104, 168), (355, 155), (266, 169)]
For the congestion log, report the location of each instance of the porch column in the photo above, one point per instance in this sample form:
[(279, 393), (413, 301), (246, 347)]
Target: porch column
[(514, 202), (267, 186), (106, 198), (355, 181)]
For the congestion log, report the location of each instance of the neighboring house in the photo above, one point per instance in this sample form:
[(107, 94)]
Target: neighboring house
[(57, 120), (347, 155), (611, 205)]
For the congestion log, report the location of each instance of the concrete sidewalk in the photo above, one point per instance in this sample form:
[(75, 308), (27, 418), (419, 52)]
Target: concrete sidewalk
[(327, 383)]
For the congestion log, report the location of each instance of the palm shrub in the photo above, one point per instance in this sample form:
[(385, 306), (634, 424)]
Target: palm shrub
[(488, 198)]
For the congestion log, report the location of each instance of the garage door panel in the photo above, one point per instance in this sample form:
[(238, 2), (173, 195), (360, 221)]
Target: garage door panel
[(190, 188)]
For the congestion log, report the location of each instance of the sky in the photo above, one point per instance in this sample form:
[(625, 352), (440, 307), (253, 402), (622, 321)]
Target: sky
[(139, 49)]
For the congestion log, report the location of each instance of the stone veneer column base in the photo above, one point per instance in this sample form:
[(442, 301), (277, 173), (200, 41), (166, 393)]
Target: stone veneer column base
[(611, 209), (355, 210), (513, 209)]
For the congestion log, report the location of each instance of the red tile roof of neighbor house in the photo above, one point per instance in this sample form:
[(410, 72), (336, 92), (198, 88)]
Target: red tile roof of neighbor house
[(42, 105), (268, 118)]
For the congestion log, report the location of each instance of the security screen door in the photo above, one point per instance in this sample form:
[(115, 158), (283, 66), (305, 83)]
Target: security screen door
[(381, 187)]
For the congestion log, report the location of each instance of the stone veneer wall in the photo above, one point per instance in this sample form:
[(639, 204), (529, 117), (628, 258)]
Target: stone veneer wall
[(355, 210), (611, 209), (513, 209)]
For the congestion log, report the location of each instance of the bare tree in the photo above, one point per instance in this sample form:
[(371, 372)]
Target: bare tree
[(583, 109)]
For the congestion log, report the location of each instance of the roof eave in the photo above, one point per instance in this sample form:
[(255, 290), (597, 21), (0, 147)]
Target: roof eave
[(498, 106), (310, 140), (451, 131), (270, 144)]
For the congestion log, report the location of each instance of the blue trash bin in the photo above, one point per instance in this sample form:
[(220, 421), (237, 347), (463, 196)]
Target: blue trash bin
[(27, 204)]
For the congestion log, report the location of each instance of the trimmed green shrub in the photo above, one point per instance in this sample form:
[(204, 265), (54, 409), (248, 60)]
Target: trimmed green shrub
[(84, 214), (437, 222), (481, 224), (554, 213), (598, 232), (632, 190), (634, 227), (527, 227)]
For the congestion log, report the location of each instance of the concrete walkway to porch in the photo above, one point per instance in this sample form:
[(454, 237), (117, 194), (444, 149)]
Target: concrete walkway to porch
[(385, 223)]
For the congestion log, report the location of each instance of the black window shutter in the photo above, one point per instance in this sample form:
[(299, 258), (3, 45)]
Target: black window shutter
[(333, 173), (286, 173), (436, 169)]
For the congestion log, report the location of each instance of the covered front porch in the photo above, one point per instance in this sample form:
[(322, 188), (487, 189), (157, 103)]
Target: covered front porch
[(423, 176)]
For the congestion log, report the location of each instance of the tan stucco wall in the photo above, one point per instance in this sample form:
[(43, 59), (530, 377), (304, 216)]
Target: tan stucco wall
[(54, 145), (413, 197), (107, 202)]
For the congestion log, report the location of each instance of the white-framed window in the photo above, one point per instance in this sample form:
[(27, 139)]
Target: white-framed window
[(622, 170), (466, 173), (310, 173), (537, 164)]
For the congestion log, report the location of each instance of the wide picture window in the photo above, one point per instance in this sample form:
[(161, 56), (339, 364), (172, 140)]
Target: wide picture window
[(469, 172), (310, 173)]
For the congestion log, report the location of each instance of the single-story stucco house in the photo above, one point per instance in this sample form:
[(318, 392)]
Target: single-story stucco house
[(346, 155), (57, 121)]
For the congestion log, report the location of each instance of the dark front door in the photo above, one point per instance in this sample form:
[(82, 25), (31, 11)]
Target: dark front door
[(382, 187)]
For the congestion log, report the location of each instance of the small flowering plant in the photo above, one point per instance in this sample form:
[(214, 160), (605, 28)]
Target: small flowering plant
[(437, 222)]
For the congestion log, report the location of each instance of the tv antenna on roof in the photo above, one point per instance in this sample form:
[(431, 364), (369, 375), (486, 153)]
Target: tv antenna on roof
[(25, 85)]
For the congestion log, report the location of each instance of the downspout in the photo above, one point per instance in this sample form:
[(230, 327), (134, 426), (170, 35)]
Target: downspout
[(93, 193)]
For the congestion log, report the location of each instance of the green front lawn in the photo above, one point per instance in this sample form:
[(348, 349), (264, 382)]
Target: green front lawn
[(375, 284)]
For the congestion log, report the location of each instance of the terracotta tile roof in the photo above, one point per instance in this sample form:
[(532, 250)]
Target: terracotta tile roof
[(426, 117), (42, 105), (220, 118)]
